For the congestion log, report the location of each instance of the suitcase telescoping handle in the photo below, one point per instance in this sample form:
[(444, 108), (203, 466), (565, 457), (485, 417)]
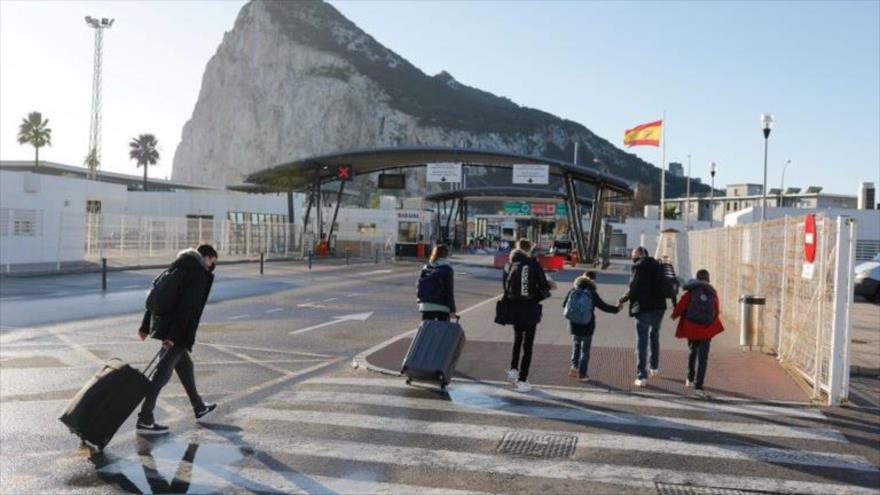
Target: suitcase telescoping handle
[(156, 359)]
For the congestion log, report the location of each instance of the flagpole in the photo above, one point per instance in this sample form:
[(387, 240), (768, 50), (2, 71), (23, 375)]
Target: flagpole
[(663, 173)]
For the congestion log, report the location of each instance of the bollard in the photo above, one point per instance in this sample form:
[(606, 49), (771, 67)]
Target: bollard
[(310, 259), (104, 274), (347, 255), (261, 262), (377, 256)]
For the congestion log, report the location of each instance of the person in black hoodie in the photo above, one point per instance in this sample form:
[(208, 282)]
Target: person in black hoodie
[(525, 286), (582, 334), (647, 304), (177, 331)]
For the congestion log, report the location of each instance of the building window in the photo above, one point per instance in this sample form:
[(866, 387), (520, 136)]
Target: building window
[(367, 228), (407, 232), (22, 223)]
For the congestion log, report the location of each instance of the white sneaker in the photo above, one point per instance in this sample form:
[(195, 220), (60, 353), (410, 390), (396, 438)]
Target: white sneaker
[(512, 375), (640, 382), (698, 393), (523, 387), (654, 372), (688, 384)]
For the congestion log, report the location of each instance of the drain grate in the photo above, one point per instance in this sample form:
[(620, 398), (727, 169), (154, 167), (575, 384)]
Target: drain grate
[(676, 489), (537, 445)]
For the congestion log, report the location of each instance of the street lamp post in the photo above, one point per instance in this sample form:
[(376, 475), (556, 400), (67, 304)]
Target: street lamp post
[(766, 125), (687, 202), (782, 184), (712, 169)]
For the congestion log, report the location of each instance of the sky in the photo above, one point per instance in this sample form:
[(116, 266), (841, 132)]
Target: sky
[(712, 67)]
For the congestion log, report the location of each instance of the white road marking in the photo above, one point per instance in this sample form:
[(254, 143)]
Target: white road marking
[(331, 299), (375, 272), (237, 317), (597, 396), (274, 310), (334, 321), (299, 483), (570, 413), (310, 305), (132, 286), (585, 440), (627, 475)]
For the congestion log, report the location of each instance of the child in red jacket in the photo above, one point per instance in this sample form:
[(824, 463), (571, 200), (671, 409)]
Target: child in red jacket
[(699, 314)]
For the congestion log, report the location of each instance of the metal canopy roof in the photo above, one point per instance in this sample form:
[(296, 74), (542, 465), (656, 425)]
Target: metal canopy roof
[(300, 173), (500, 194)]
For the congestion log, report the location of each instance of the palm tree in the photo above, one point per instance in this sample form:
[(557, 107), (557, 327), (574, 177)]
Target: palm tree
[(35, 131), (143, 150), (91, 162)]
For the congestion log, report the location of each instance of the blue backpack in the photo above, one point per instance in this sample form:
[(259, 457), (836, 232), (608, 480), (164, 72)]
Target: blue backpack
[(430, 285), (579, 308)]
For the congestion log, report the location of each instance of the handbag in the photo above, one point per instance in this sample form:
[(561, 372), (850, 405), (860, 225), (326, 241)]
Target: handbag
[(502, 311)]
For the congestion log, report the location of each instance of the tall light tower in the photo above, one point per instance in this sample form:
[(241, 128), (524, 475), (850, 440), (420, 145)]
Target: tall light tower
[(93, 158)]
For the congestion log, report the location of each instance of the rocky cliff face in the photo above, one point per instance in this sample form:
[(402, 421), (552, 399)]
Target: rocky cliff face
[(296, 79)]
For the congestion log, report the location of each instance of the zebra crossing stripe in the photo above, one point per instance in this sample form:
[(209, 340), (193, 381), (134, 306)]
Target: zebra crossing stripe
[(626, 475), (296, 482), (590, 441), (597, 396), (501, 407)]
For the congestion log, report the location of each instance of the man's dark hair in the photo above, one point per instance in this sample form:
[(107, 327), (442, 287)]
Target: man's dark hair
[(703, 274), (590, 275), (207, 250)]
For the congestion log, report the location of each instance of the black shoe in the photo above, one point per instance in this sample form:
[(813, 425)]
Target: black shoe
[(151, 428), (204, 412)]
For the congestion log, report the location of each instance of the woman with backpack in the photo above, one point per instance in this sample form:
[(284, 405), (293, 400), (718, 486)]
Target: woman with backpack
[(435, 287), (700, 320), (579, 309)]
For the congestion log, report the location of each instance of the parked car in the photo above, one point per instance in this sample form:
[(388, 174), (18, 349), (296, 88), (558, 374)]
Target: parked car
[(561, 247), (868, 279)]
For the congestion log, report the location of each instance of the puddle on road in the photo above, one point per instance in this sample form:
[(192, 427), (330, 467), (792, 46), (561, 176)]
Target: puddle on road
[(470, 397), (172, 466)]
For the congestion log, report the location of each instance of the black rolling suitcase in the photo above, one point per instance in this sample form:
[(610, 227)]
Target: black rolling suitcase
[(107, 400), (433, 353)]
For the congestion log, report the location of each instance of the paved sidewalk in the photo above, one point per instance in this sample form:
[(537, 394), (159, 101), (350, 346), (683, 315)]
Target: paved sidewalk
[(731, 373)]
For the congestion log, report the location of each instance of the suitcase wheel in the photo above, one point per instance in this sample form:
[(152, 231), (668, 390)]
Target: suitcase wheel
[(443, 385), (408, 381)]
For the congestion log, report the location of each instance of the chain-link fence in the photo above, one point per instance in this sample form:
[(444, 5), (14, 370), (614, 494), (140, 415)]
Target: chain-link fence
[(806, 318), (38, 241)]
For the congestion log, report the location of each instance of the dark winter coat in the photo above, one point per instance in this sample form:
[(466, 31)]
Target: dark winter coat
[(447, 277), (180, 325), (692, 330), (525, 311), (645, 287), (584, 283)]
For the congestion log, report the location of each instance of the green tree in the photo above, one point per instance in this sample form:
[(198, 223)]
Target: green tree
[(35, 131), (670, 212), (143, 151), (91, 162)]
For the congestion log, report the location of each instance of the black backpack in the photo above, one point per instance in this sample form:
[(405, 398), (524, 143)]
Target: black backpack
[(164, 291), (668, 281), (701, 307), (430, 286), (522, 282)]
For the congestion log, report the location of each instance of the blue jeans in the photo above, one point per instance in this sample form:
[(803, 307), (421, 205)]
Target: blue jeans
[(648, 329), (580, 353)]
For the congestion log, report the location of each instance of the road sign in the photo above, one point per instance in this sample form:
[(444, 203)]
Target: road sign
[(531, 174), (444, 172), (344, 172), (561, 210), (516, 207)]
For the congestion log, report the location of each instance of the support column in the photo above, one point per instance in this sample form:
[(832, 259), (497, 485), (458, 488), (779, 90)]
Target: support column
[(291, 222), (336, 209), (596, 221), (575, 207)]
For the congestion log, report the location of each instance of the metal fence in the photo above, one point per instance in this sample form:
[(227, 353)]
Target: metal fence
[(806, 319)]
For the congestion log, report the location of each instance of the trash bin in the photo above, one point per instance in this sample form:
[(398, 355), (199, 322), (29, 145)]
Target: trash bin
[(751, 311)]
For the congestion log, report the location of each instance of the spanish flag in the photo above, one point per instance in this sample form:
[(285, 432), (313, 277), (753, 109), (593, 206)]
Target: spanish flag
[(644, 135)]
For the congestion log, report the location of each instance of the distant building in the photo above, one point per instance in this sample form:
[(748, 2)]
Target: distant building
[(742, 196), (676, 169), (867, 196)]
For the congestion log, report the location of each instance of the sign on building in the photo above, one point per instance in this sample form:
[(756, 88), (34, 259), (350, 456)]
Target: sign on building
[(444, 172), (516, 208), (543, 209), (531, 174)]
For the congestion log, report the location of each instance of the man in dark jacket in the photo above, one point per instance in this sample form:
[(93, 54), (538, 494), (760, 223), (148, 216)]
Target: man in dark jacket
[(177, 331), (647, 304), (525, 286)]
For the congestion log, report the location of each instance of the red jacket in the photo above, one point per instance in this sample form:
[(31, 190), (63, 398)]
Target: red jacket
[(691, 330)]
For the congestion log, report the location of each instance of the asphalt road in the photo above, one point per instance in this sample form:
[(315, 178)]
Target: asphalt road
[(275, 351)]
